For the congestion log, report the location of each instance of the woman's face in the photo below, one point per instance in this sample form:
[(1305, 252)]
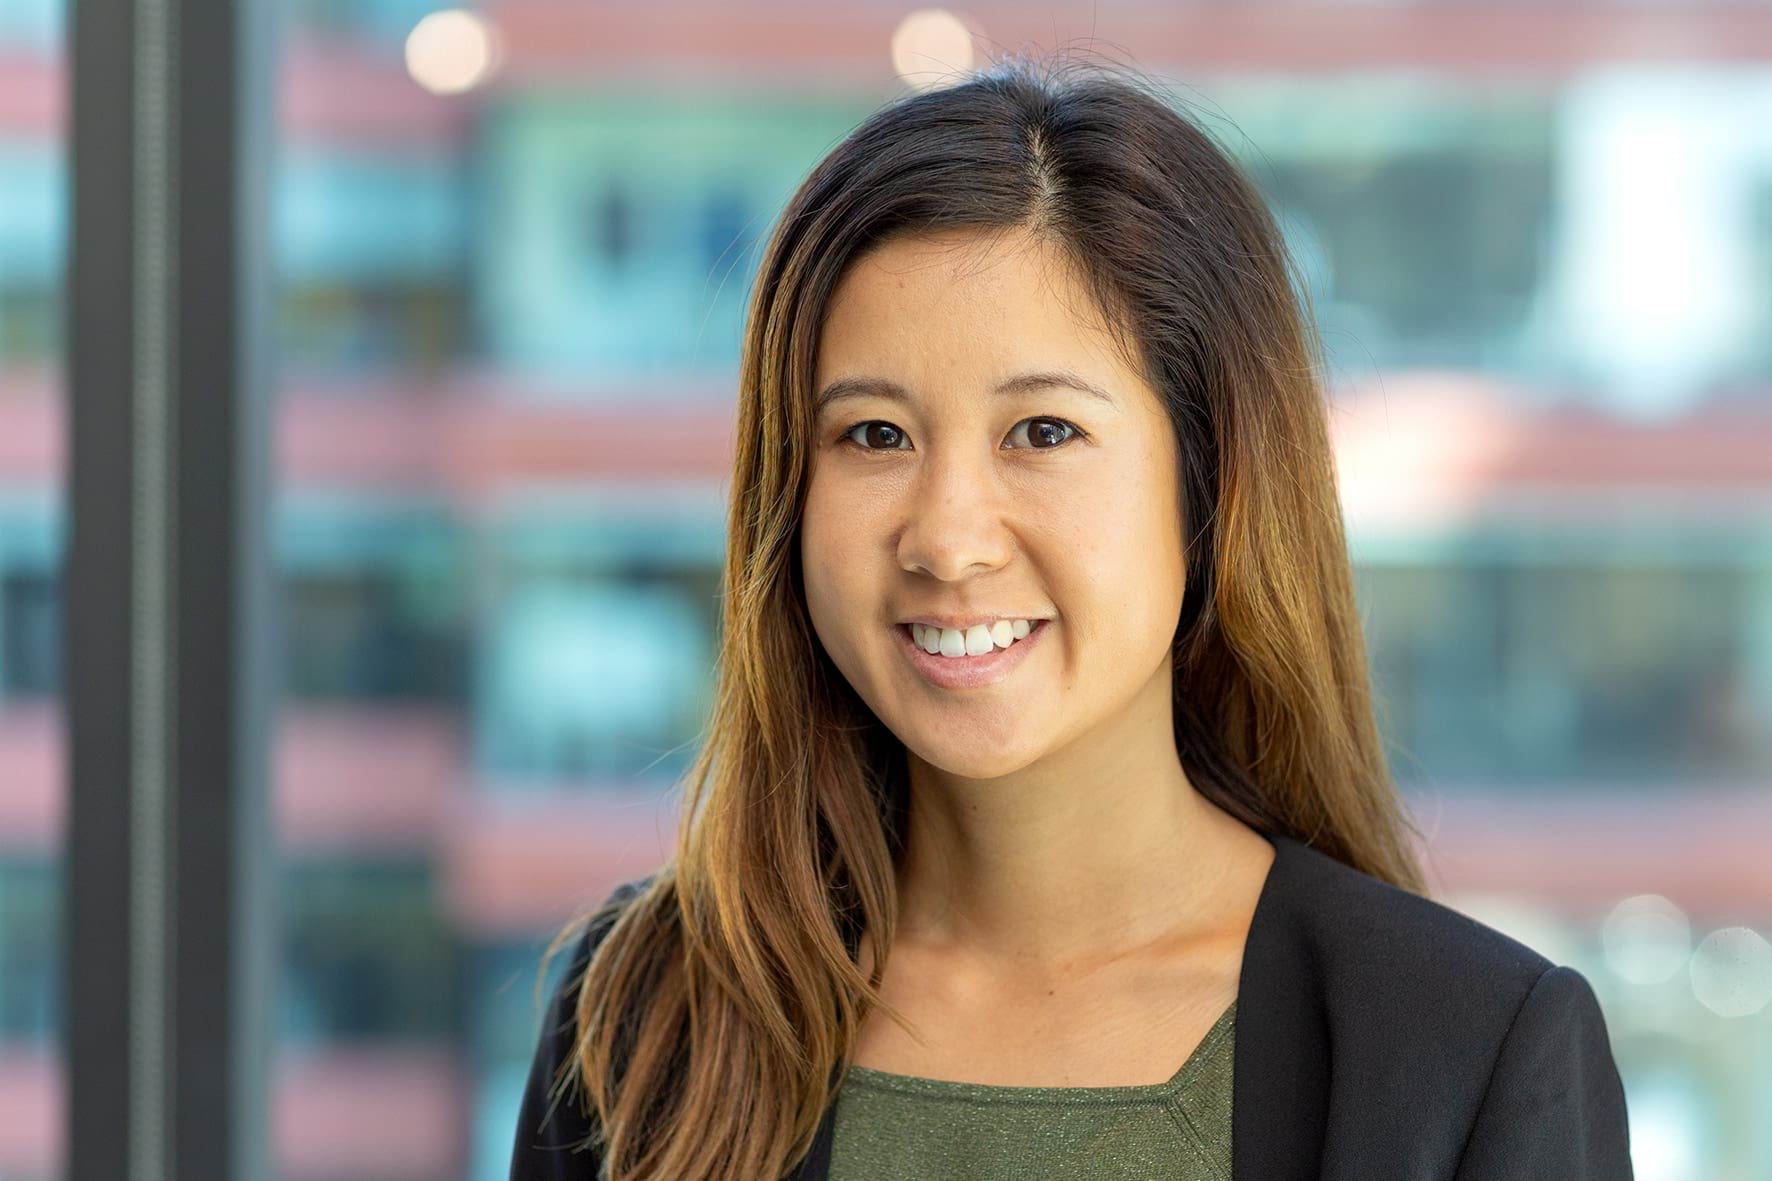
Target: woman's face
[(955, 501)]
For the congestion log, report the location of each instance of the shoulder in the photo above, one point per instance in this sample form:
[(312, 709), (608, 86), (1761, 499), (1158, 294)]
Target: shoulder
[(553, 1124), (1386, 1034), (595, 926), (599, 922), (1401, 985), (1424, 1008), (1364, 932)]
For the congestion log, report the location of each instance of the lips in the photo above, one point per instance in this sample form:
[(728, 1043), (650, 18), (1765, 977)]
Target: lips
[(970, 672)]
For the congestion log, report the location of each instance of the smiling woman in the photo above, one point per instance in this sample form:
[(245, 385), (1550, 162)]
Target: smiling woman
[(1043, 795), (965, 520)]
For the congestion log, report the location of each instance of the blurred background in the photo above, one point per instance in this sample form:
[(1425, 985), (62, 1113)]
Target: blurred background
[(511, 251)]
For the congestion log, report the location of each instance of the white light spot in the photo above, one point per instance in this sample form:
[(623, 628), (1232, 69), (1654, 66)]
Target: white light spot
[(452, 51), (1732, 972), (932, 47), (1647, 939)]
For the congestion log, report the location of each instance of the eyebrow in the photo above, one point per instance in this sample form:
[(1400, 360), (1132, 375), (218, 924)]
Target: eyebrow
[(1021, 383)]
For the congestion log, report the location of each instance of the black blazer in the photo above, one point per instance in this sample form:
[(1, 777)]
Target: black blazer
[(1380, 1035)]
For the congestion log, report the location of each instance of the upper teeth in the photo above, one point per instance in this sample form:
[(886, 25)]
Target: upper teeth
[(974, 641)]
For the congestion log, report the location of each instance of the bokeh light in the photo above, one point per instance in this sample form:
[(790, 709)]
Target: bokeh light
[(1647, 939), (932, 47), (1732, 972), (452, 51)]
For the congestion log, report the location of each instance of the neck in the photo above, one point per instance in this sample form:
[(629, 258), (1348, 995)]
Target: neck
[(1094, 852)]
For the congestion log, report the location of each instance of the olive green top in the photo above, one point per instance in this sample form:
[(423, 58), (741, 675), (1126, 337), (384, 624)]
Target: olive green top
[(900, 1127)]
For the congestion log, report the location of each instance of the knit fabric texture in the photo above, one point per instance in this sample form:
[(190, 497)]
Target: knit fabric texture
[(898, 1127)]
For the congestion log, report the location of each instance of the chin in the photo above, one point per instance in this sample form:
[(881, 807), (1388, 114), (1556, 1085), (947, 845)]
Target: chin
[(952, 754)]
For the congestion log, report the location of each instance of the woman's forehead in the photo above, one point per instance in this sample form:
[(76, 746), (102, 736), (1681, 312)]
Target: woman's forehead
[(936, 318)]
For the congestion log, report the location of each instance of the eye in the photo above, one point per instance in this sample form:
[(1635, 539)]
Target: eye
[(892, 435), (1052, 435), (1060, 433)]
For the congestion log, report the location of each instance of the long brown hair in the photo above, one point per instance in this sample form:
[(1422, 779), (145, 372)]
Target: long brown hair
[(721, 1005)]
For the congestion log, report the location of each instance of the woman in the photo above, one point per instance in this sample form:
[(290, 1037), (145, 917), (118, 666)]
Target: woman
[(1042, 828)]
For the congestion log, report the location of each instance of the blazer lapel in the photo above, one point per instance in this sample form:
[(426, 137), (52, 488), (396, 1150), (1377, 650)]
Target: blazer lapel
[(1280, 1064), (1280, 1067)]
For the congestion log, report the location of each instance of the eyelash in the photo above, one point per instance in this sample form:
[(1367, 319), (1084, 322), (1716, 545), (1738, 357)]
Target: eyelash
[(1077, 432)]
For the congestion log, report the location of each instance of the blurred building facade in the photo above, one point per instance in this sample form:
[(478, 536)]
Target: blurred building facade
[(1539, 244)]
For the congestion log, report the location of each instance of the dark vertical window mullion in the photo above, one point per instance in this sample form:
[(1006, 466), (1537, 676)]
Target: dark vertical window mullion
[(98, 571), (170, 931)]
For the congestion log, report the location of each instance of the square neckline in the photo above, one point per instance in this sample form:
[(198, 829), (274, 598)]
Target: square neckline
[(912, 1084)]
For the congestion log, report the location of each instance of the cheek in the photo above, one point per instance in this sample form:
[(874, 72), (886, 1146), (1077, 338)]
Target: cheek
[(1125, 568), (827, 549)]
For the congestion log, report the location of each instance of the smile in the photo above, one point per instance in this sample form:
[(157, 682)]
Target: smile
[(968, 672)]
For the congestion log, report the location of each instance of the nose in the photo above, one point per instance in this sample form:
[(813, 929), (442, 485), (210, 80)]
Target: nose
[(956, 525)]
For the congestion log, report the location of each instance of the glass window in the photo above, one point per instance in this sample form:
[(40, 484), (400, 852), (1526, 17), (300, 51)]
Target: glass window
[(33, 252), (512, 262)]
